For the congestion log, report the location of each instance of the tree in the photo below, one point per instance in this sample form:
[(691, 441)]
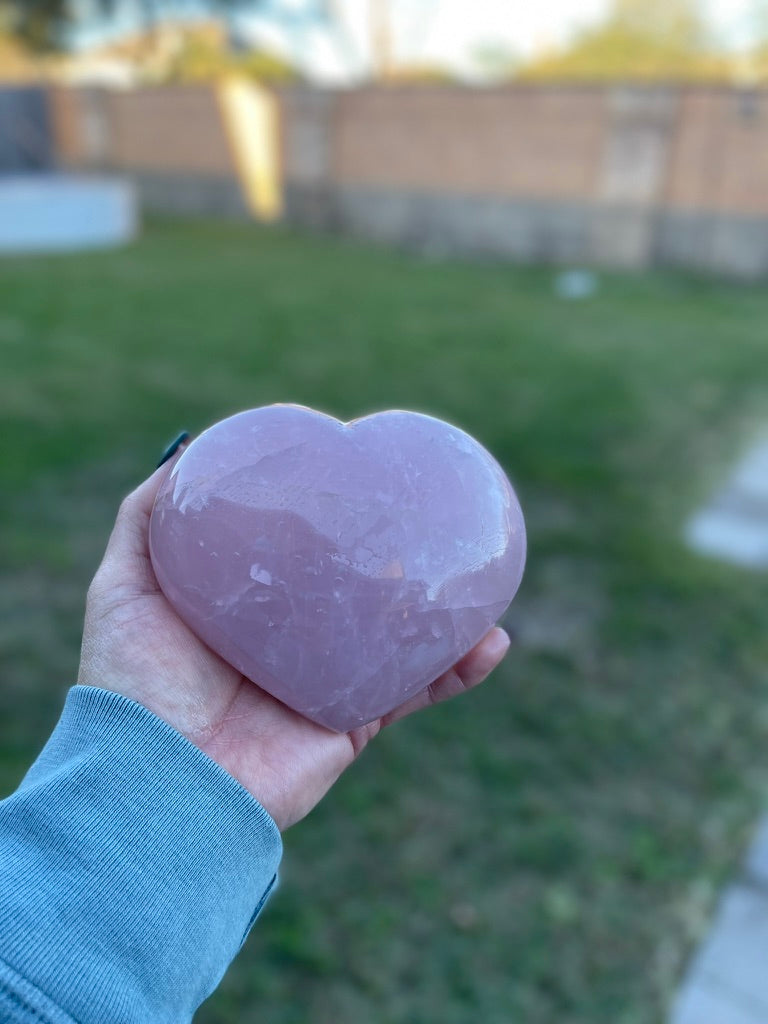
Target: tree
[(38, 22), (753, 66), (494, 62), (153, 10), (203, 56), (44, 24), (648, 39)]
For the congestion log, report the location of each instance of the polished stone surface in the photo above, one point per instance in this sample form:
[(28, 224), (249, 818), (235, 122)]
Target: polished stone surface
[(342, 567)]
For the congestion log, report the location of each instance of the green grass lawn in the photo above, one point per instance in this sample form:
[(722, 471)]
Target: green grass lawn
[(548, 848)]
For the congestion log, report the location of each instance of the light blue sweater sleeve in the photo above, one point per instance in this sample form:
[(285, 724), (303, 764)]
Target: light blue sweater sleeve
[(132, 867)]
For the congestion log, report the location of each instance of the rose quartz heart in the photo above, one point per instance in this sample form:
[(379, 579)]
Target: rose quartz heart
[(342, 567)]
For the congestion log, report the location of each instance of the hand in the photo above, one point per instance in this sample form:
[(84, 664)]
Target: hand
[(136, 645)]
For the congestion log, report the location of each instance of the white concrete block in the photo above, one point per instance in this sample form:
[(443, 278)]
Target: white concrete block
[(57, 213), (756, 863), (734, 525), (704, 1003), (734, 956)]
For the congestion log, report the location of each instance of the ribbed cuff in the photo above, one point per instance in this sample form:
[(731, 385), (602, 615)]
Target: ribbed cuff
[(131, 867)]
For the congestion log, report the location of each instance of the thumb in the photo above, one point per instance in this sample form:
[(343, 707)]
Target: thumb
[(126, 560)]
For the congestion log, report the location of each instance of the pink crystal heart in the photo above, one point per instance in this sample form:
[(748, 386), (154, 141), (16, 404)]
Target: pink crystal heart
[(341, 567)]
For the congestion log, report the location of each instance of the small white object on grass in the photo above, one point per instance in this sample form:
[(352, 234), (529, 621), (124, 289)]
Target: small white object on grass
[(575, 284)]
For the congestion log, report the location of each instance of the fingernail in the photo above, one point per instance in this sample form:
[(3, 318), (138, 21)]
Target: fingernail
[(498, 643), (173, 447)]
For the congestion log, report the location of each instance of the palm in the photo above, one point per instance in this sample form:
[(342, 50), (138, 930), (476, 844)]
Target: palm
[(148, 654)]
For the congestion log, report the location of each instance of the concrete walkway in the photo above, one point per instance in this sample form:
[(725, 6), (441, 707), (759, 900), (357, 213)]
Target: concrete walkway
[(734, 525), (727, 980)]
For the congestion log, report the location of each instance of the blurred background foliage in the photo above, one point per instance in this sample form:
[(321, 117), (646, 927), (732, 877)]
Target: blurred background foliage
[(646, 40)]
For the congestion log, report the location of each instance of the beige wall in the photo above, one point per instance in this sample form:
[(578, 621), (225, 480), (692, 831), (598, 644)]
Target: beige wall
[(689, 148), (171, 130), (614, 174), (719, 158), (494, 142)]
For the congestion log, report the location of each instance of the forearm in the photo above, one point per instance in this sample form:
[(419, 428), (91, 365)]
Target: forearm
[(131, 869)]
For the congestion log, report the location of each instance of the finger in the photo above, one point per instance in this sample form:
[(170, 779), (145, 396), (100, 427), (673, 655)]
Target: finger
[(127, 550), (473, 668), (173, 447)]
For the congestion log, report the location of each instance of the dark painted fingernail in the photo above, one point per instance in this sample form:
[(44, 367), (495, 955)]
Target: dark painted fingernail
[(173, 447)]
